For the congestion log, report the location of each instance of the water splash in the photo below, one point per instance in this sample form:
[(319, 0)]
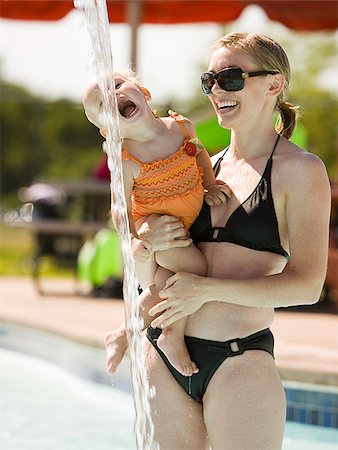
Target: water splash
[(98, 27)]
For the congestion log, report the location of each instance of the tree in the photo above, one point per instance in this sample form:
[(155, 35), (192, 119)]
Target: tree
[(41, 139)]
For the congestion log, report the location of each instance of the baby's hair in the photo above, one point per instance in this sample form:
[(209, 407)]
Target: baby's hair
[(268, 55), (130, 74)]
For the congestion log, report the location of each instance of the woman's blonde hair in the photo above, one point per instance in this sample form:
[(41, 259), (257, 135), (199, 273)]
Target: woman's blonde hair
[(268, 55)]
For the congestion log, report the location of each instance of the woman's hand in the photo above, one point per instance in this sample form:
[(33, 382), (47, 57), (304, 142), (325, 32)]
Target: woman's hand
[(182, 296), (163, 232)]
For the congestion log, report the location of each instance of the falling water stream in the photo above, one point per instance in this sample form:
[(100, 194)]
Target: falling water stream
[(98, 27)]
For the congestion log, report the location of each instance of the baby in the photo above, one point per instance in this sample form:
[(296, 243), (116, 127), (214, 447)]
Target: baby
[(165, 171)]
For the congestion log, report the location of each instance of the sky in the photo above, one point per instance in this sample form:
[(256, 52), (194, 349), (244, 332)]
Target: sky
[(54, 59)]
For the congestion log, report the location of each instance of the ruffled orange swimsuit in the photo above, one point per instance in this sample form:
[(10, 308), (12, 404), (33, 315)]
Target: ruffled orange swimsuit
[(172, 186)]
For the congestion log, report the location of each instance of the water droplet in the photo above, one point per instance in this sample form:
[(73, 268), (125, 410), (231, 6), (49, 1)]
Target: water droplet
[(152, 392)]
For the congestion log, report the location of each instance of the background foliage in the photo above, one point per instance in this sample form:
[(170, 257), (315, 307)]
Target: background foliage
[(43, 139)]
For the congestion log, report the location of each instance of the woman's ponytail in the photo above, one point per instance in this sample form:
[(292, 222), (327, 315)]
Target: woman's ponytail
[(288, 118)]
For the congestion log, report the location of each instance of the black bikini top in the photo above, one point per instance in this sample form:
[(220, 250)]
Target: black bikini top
[(253, 224)]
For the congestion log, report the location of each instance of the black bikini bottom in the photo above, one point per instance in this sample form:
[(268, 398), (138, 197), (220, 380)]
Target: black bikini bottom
[(209, 355)]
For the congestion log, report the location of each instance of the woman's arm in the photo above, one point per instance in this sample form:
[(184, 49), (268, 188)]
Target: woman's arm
[(307, 211)]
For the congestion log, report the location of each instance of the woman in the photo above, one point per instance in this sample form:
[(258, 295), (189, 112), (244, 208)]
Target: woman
[(278, 213)]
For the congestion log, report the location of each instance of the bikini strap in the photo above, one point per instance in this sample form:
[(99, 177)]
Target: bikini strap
[(274, 147), (180, 120), (218, 162)]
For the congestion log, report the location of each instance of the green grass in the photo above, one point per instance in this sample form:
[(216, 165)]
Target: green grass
[(16, 251)]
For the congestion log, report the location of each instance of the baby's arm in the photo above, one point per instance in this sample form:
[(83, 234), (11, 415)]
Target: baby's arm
[(128, 182), (130, 171), (216, 193)]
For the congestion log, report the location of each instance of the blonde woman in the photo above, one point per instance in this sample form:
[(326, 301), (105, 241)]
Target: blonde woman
[(278, 213)]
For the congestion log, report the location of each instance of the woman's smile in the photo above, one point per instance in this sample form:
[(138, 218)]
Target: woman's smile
[(226, 105)]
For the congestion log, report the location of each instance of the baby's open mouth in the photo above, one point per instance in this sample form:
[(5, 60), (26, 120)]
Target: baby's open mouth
[(126, 107)]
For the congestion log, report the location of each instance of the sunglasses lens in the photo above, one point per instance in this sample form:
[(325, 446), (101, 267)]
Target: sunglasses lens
[(207, 82), (230, 80)]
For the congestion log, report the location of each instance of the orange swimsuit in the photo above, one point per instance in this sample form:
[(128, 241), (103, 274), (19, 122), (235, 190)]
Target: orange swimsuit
[(172, 186)]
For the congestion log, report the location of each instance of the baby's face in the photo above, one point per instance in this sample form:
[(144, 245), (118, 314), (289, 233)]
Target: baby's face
[(92, 102), (129, 96), (92, 97), (131, 102)]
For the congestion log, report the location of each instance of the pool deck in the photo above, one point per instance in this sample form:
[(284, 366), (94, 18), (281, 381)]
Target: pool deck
[(306, 343)]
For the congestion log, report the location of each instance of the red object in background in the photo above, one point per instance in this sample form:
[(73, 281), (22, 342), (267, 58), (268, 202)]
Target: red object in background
[(307, 15), (101, 171)]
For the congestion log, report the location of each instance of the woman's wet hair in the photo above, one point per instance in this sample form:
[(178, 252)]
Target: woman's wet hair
[(267, 54)]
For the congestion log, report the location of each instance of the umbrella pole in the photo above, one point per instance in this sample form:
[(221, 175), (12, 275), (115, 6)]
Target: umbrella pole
[(134, 9)]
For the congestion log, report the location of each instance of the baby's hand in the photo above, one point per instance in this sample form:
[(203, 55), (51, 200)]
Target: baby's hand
[(140, 250), (217, 194)]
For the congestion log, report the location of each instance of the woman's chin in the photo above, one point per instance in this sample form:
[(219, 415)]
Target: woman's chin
[(224, 122)]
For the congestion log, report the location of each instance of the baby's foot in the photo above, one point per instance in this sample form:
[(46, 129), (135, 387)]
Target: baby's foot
[(176, 351), (116, 346)]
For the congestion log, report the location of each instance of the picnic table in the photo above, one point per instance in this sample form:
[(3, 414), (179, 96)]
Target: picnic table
[(65, 215)]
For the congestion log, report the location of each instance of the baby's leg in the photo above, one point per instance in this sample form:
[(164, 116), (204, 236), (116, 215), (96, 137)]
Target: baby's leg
[(172, 344), (116, 341), (145, 269), (186, 259), (171, 341)]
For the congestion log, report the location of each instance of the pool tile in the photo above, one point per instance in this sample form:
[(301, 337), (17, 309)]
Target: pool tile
[(290, 414), (311, 406), (334, 420)]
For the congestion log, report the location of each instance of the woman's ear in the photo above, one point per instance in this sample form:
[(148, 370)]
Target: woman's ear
[(146, 93), (276, 84)]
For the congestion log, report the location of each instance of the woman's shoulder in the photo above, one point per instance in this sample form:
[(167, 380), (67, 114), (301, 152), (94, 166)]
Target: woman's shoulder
[(295, 158), (299, 167)]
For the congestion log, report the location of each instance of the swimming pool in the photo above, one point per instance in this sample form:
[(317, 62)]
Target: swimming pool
[(56, 396), (46, 408)]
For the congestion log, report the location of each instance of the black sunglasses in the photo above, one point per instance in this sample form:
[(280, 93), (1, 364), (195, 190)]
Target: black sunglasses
[(231, 79)]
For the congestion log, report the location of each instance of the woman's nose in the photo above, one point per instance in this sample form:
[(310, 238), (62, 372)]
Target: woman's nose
[(216, 87)]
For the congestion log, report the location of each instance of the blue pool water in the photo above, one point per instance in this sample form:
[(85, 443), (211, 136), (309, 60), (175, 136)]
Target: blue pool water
[(45, 407)]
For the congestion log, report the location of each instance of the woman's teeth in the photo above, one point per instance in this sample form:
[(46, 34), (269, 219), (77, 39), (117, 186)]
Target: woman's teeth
[(226, 104)]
